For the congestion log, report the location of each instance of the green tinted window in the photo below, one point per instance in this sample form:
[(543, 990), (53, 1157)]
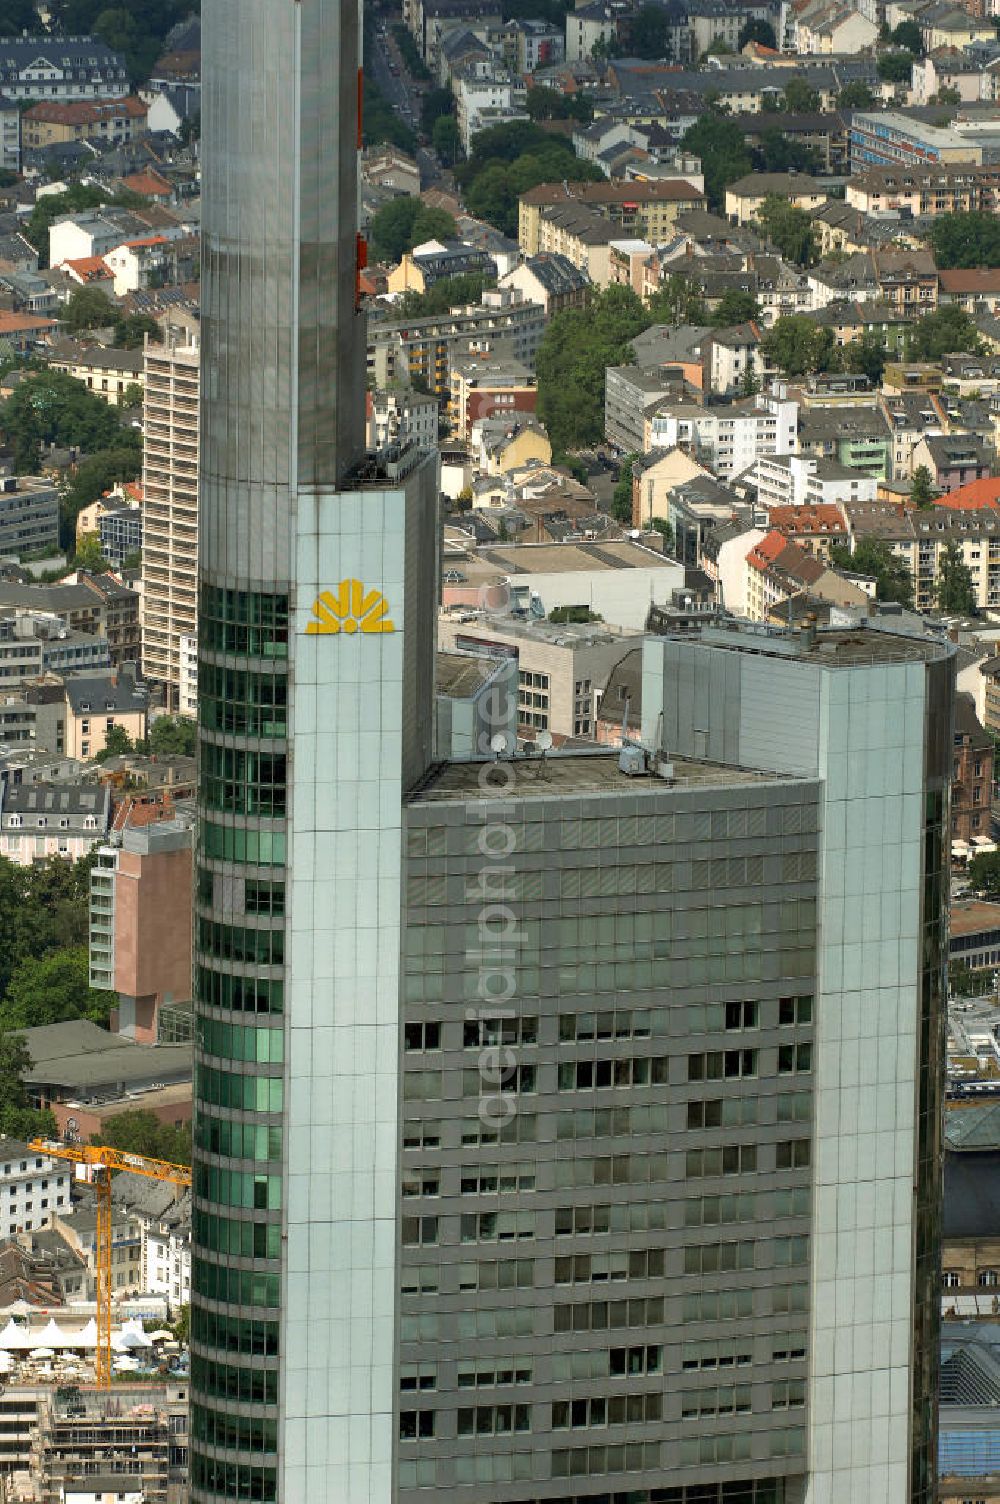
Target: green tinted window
[(263, 848)]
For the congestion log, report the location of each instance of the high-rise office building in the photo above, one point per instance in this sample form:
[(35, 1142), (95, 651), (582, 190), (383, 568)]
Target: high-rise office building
[(316, 613), (566, 1127), (170, 502)]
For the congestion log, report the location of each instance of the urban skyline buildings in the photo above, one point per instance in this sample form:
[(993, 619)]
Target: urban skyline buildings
[(566, 1127)]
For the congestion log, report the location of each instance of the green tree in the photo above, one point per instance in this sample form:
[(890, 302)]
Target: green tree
[(436, 104), (676, 301), (405, 222), (139, 1131), (133, 395), (182, 1326), (51, 990), (734, 307), (984, 874), (42, 908), (95, 476), (895, 67), (874, 557), (53, 206), (908, 35), (448, 292), (946, 331), (18, 1119), (380, 123), (131, 331), (761, 32), (723, 152), (89, 308), (53, 408), (778, 153), (117, 743), (577, 347), (865, 357), (749, 384), (543, 103), (446, 139), (173, 736), (947, 94), (88, 554), (718, 47), (797, 345), (621, 497), (954, 591), (789, 228), (965, 240), (492, 185), (800, 99), (855, 96), (922, 489)]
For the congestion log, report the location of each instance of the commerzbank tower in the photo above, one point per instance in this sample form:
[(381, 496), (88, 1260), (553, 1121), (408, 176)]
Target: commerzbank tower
[(567, 1126)]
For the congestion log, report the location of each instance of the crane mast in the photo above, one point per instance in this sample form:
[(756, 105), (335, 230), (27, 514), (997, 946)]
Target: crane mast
[(104, 1160)]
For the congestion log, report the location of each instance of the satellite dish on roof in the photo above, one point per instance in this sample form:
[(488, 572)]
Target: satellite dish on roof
[(500, 742), (543, 741)]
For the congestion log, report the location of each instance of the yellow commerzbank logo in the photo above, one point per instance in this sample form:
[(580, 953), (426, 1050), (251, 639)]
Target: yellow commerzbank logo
[(350, 609)]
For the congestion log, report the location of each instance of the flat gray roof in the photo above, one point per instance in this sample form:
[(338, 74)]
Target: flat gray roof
[(565, 774), (79, 1054)]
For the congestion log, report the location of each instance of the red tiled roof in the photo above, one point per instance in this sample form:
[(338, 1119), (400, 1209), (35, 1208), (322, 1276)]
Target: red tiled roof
[(822, 517), (768, 549), (17, 323), (975, 279), (973, 497), (87, 111), (150, 184), (89, 268)]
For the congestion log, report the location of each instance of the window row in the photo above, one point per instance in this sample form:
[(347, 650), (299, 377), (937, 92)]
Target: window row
[(611, 1264), (255, 848), (612, 1122), (592, 1462), (231, 1480), (242, 702), (241, 1042), (498, 1274), (242, 782), (242, 1433), (494, 1420), (248, 1287), (723, 1159), (626, 1216), (492, 1227), (236, 1334), (611, 1169), (731, 1399), (605, 1315), (242, 1239), (238, 1188), (247, 623), (618, 1410), (233, 942), (239, 994), (251, 1386), (238, 1140), (594, 1075), (485, 1180), (229, 1089)]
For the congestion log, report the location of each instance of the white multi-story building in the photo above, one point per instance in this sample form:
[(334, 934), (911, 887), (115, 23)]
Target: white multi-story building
[(795, 480), (728, 439), (166, 1254), (484, 88), (170, 505), (399, 417), (33, 1188)]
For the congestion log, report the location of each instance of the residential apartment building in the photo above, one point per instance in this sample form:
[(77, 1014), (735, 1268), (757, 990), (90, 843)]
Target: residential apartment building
[(119, 530), (503, 325), (97, 605), (104, 369), (48, 820), (746, 196), (99, 703), (170, 500), (800, 480), (400, 416), (33, 1188), (921, 537), (54, 123), (972, 777), (552, 280), (140, 916), (645, 209), (61, 68), (727, 438), (29, 516), (925, 191), (489, 389)]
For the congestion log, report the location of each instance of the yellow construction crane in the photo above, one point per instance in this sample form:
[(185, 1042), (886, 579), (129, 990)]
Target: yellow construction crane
[(104, 1160)]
